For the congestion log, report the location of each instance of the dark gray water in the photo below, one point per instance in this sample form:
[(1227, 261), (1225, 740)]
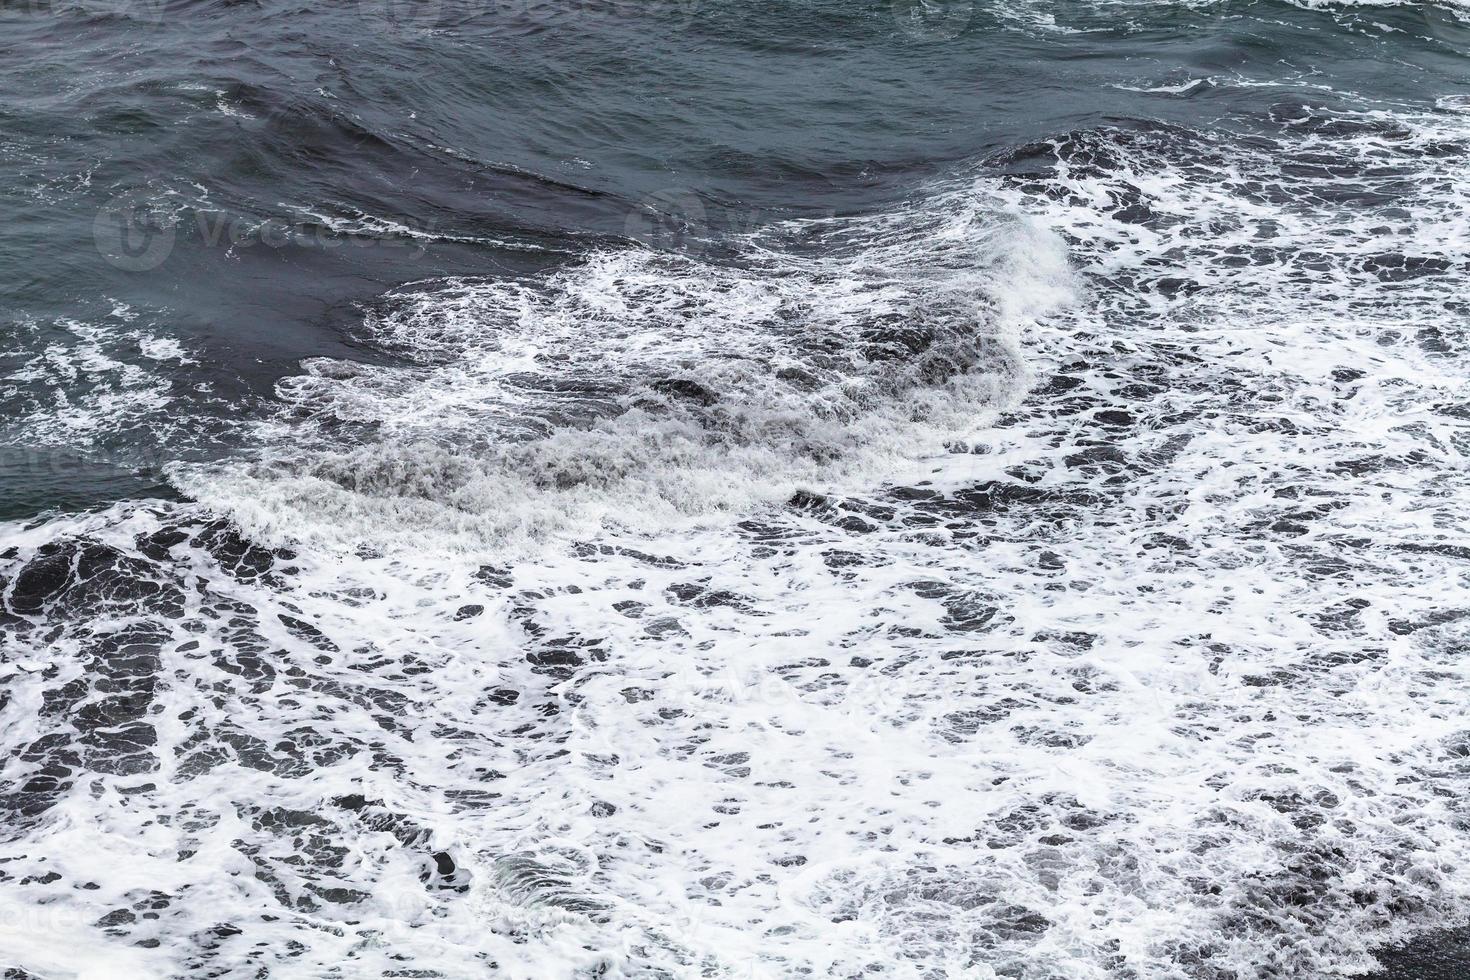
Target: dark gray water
[(341, 149), (702, 488)]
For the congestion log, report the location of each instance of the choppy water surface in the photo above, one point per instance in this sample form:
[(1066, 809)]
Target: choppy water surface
[(722, 489)]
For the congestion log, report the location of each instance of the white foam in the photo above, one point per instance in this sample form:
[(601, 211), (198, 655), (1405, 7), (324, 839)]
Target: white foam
[(1176, 89), (1094, 16), (79, 385), (547, 402), (1163, 674)]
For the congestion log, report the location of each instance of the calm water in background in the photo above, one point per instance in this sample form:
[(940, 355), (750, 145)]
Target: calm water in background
[(731, 489)]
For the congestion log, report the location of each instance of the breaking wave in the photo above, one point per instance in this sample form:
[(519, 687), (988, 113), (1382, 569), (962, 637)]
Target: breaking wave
[(1056, 577)]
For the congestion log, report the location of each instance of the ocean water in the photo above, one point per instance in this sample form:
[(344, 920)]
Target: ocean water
[(705, 488)]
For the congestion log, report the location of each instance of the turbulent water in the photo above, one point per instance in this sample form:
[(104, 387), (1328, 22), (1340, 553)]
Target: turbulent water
[(708, 488)]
